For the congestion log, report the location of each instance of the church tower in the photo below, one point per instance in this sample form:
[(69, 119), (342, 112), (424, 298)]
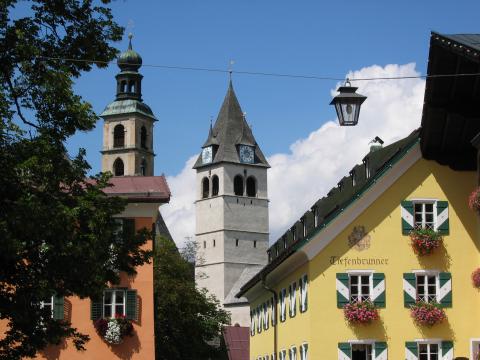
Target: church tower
[(231, 209), (128, 123)]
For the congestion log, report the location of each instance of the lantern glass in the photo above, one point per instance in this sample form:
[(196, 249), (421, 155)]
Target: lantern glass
[(347, 105)]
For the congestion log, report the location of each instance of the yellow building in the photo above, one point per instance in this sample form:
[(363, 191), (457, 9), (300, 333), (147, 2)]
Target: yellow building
[(353, 249)]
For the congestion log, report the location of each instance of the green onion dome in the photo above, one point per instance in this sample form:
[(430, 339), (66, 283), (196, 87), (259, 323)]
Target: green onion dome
[(129, 60)]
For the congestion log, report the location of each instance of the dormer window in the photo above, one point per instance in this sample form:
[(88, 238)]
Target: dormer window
[(294, 233), (340, 186), (315, 216), (352, 175), (366, 163)]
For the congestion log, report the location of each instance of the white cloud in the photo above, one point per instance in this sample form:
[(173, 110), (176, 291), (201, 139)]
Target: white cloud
[(316, 163)]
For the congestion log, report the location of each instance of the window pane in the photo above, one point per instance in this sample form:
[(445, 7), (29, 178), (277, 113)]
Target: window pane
[(418, 218), (431, 280), (354, 279), (418, 207), (119, 310), (429, 207), (366, 290), (423, 356), (354, 290), (429, 218), (433, 348), (421, 279), (107, 311), (423, 348), (119, 297), (366, 279), (108, 297)]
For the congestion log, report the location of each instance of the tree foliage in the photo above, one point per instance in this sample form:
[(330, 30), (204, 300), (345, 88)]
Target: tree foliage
[(57, 234), (188, 321)]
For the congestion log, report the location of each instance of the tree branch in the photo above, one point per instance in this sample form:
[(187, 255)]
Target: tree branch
[(17, 105)]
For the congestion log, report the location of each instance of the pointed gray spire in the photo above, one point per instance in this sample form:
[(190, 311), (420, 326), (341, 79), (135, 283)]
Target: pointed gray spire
[(231, 130)]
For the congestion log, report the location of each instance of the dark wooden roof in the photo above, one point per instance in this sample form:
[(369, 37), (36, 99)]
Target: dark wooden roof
[(451, 111), (231, 130)]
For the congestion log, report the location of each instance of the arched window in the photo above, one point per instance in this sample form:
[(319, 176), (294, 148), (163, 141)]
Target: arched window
[(123, 86), (143, 137), (119, 136), (238, 185), (118, 169), (143, 167), (131, 87), (251, 186), (205, 188), (214, 185)]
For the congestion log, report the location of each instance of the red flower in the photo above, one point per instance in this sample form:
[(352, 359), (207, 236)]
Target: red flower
[(363, 312), (474, 200), (476, 278), (425, 241), (427, 314)]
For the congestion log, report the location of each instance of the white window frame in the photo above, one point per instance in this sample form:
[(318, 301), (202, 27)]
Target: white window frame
[(474, 344), (370, 342), (435, 273), (303, 289), (252, 322), (266, 319), (283, 354), (114, 304), (425, 201), (315, 216), (292, 300), (430, 342), (44, 304), (273, 309), (283, 305), (370, 283), (304, 351), (292, 353), (259, 319)]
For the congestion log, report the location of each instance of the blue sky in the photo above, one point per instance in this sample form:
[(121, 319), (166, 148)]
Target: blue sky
[(300, 37)]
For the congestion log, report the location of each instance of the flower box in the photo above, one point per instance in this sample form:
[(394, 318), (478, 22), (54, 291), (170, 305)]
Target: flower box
[(427, 314), (363, 312), (114, 330), (425, 241), (474, 200), (476, 278)]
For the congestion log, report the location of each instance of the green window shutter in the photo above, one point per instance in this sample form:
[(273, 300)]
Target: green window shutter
[(442, 218), (378, 292), (411, 350), (58, 308), (344, 351), (407, 217), (128, 228), (96, 309), (343, 290), (131, 307), (381, 352), (445, 290), (409, 289), (447, 350)]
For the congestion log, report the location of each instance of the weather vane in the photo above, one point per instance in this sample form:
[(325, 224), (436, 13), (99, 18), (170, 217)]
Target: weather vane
[(230, 68)]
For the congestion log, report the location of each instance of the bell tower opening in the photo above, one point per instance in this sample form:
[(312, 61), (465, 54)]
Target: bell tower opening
[(118, 168), (238, 185), (118, 136)]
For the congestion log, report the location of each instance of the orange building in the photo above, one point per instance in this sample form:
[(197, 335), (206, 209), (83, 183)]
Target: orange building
[(132, 297)]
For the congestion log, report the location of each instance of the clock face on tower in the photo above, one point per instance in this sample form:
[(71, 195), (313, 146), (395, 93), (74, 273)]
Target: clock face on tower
[(246, 154), (207, 155)]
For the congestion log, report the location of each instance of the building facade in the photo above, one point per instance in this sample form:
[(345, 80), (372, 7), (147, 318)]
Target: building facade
[(359, 252), (231, 209)]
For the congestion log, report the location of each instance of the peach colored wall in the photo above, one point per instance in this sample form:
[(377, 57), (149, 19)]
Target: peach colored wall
[(140, 346)]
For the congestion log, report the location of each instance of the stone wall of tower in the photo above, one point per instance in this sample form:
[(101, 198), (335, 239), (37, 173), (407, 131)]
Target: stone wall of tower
[(131, 153)]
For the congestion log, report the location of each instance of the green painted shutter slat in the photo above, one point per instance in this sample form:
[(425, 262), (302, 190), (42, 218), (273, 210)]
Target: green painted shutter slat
[(377, 278), (412, 347), (131, 304), (380, 347), (446, 347), (344, 280), (58, 308), (346, 348), (445, 277), (443, 226), (408, 207), (96, 309), (412, 280)]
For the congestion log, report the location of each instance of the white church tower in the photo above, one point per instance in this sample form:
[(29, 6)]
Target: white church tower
[(231, 209)]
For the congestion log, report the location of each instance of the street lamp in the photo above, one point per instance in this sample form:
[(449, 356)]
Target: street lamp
[(347, 104)]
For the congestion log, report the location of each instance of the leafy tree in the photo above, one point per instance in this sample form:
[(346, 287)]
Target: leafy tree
[(57, 234), (188, 321)]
